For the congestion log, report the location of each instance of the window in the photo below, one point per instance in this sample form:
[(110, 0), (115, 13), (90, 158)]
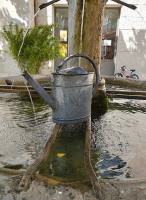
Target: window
[(109, 30), (61, 18), (111, 17)]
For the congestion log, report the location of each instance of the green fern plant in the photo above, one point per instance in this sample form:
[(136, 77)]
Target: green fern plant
[(39, 45)]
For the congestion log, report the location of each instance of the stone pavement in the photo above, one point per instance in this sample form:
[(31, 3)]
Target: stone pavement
[(39, 191), (110, 190)]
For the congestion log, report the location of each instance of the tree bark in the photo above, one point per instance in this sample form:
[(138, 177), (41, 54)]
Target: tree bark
[(92, 31), (85, 29)]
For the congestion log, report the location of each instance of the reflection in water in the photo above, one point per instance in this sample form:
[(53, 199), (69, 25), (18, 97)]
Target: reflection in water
[(118, 142), (117, 138)]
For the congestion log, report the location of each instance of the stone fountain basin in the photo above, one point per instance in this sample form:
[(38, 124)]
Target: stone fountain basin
[(113, 189)]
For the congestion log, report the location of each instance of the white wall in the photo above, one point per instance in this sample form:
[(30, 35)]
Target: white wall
[(131, 46), (15, 11)]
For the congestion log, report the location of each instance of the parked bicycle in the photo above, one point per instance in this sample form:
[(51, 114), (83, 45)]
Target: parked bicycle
[(123, 73)]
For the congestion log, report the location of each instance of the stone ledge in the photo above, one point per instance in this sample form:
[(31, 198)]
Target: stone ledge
[(20, 81), (123, 189), (125, 82)]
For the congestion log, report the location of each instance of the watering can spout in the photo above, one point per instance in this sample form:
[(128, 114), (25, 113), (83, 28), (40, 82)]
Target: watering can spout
[(40, 90)]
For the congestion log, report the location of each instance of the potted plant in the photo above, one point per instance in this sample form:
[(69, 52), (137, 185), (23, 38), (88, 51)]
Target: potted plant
[(39, 45)]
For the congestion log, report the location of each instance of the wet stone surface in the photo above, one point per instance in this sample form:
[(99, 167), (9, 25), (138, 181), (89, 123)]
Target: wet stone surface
[(123, 190), (39, 191), (110, 190)]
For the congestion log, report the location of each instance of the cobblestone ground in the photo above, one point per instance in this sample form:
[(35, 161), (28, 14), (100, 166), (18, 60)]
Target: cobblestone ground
[(109, 190), (39, 191)]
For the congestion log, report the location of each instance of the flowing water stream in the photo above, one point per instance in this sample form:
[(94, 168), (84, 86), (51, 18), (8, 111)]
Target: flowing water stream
[(141, 16), (29, 25), (19, 52)]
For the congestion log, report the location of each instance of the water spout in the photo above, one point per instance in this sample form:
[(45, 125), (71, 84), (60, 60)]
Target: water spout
[(44, 5), (131, 6)]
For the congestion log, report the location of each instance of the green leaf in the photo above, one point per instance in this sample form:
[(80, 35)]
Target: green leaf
[(39, 45)]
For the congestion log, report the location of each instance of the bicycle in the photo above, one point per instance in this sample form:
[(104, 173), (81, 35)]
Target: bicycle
[(123, 73)]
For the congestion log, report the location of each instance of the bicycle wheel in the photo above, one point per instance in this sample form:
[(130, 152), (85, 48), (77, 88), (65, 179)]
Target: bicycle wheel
[(134, 76), (118, 75)]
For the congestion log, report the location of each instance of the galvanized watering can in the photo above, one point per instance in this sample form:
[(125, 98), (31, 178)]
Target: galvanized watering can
[(71, 92)]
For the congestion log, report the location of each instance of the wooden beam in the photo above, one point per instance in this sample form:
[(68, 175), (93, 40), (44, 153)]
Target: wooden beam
[(131, 6)]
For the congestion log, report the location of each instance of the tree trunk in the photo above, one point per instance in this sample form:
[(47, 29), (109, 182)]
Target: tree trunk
[(92, 31), (85, 29)]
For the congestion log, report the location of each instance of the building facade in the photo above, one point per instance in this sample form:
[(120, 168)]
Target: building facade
[(124, 33)]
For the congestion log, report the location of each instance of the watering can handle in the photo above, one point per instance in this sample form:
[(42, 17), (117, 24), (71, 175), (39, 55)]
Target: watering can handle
[(93, 64)]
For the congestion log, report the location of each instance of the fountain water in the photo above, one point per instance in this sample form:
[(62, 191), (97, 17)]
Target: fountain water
[(29, 25), (18, 63), (26, 33), (31, 103), (141, 16), (117, 140)]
